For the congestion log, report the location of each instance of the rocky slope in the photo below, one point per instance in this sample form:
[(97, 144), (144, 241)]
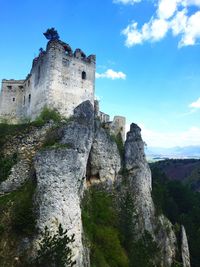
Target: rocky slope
[(84, 156)]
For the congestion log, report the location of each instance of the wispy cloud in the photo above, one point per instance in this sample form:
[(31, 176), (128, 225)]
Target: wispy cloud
[(175, 16), (195, 104), (111, 74)]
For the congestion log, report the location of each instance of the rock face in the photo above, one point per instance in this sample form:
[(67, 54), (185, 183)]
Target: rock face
[(61, 176), (139, 186), (139, 177), (184, 248), (25, 147), (104, 161), (86, 154)]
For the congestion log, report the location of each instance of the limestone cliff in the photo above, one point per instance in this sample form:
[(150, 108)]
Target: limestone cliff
[(85, 155), (139, 186)]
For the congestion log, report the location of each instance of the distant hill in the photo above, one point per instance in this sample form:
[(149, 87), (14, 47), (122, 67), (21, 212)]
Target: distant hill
[(184, 170), (156, 153)]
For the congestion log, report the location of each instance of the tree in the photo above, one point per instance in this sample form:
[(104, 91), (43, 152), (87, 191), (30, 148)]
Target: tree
[(54, 250)]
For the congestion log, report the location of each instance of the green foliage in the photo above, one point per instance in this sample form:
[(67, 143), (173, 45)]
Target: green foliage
[(100, 224), (7, 130), (54, 250), (177, 264), (47, 115), (181, 205), (23, 217), (16, 221), (6, 163), (143, 251)]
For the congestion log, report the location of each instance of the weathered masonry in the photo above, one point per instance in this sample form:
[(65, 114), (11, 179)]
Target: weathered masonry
[(59, 78)]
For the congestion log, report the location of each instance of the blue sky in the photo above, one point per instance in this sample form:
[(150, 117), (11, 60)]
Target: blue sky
[(148, 56)]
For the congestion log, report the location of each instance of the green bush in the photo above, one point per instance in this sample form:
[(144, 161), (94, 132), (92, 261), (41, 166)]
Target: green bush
[(46, 115), (54, 250)]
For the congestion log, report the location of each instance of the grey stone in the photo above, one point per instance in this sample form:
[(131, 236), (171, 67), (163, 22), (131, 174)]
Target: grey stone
[(184, 248), (104, 161), (139, 186), (61, 175)]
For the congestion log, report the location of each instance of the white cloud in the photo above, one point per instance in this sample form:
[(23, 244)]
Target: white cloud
[(126, 2), (155, 30), (111, 74), (154, 138), (159, 28), (167, 8), (170, 16), (179, 22), (192, 30), (195, 104)]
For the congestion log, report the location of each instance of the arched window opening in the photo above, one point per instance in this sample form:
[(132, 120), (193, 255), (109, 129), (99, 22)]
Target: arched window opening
[(29, 98), (13, 99), (83, 75)]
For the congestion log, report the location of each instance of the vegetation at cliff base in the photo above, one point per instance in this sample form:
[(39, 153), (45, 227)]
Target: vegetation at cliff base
[(17, 221), (181, 205), (100, 224), (110, 235), (141, 251)]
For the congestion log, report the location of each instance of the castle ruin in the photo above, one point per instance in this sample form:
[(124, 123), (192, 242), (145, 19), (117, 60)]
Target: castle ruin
[(59, 79)]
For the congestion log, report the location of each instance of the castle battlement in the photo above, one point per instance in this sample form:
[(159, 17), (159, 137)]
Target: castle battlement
[(60, 78)]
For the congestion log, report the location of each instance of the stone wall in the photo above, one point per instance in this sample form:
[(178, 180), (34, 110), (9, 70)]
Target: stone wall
[(11, 99), (72, 79)]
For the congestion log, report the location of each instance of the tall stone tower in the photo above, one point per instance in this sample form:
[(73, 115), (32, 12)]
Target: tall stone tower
[(59, 78)]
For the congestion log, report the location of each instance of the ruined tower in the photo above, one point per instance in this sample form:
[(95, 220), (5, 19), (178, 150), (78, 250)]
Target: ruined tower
[(59, 78)]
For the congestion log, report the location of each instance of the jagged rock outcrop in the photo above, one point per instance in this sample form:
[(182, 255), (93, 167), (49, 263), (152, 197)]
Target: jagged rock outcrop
[(139, 186), (61, 176), (104, 162), (185, 254), (139, 178)]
